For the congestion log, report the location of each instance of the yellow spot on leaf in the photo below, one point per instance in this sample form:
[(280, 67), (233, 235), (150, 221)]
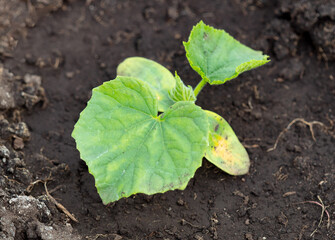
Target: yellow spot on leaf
[(221, 149)]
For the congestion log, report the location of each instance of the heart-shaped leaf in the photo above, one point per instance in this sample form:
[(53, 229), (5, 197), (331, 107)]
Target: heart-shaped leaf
[(217, 56), (130, 149), (159, 78), (225, 150)]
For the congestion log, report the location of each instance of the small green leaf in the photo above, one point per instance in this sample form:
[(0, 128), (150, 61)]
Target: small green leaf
[(158, 77), (180, 92), (130, 149), (225, 150), (217, 56)]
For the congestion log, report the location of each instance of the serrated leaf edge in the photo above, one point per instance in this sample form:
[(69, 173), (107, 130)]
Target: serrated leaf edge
[(198, 69), (161, 117)]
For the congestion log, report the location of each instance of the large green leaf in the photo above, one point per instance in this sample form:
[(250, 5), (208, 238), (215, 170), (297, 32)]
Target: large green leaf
[(225, 150), (217, 56), (130, 149), (158, 77)]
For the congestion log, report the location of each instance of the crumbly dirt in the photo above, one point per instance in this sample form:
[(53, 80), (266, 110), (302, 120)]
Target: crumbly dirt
[(52, 53)]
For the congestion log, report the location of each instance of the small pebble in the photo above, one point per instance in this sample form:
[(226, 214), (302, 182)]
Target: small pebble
[(181, 202), (18, 143), (4, 152), (69, 75)]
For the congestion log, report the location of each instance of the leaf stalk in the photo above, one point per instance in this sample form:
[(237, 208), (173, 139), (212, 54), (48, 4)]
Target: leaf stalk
[(199, 87)]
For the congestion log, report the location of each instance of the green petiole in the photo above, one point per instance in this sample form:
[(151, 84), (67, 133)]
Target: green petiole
[(199, 87)]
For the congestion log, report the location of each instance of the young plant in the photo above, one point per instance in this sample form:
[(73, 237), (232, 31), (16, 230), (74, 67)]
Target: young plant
[(143, 133)]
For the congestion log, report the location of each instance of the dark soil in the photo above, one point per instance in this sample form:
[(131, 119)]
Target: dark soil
[(75, 46)]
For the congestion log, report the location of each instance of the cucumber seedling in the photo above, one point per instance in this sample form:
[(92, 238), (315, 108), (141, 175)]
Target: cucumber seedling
[(143, 133)]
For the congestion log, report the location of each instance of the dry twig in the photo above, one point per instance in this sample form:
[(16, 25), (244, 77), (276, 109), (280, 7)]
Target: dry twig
[(309, 124), (31, 185), (12, 180), (116, 236), (289, 193), (60, 206), (52, 199), (250, 146), (324, 210)]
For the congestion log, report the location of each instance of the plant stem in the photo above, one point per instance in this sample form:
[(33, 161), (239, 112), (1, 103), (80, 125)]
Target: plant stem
[(199, 87)]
